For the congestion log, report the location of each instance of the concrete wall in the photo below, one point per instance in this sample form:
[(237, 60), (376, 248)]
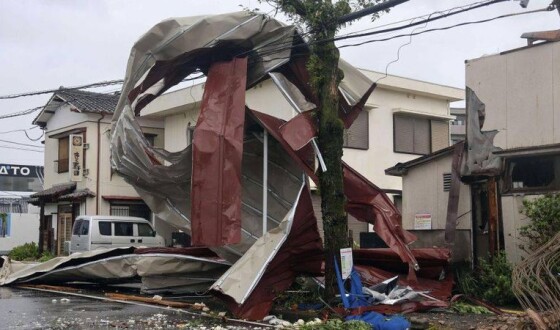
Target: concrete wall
[(24, 229), (521, 90)]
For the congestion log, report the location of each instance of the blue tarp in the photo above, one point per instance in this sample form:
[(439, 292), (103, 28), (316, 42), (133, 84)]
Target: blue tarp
[(356, 299)]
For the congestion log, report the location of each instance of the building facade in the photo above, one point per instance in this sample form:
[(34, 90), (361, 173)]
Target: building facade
[(78, 179), (521, 91), (19, 220), (403, 119)]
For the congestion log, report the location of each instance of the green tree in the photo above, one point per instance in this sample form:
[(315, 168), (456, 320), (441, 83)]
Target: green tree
[(545, 221), (322, 19)]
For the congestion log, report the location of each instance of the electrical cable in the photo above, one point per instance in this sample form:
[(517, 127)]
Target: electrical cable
[(19, 130), (93, 85), (22, 144), (9, 147), (36, 139), (411, 34)]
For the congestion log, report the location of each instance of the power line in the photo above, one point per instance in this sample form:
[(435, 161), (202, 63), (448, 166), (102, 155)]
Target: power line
[(19, 130), (446, 27), (21, 113), (22, 144), (407, 34), (10, 147), (97, 84)]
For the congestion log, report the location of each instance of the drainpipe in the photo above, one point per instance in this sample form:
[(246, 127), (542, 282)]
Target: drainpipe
[(98, 163)]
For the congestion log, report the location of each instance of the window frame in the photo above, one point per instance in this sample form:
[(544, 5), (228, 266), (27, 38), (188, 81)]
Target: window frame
[(63, 164), (395, 134), (507, 188)]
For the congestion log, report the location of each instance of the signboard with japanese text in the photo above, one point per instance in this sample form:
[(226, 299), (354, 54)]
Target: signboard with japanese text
[(346, 262), (422, 221), (76, 157)]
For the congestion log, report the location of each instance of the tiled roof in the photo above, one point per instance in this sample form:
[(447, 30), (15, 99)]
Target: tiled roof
[(76, 195), (89, 101), (55, 190)]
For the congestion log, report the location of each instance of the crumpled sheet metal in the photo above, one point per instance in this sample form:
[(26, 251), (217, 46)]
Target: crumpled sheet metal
[(217, 149), (176, 47), (121, 266), (479, 159), (272, 263), (365, 201)]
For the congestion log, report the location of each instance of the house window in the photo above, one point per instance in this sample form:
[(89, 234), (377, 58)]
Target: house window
[(62, 162), (131, 209), (446, 181), (419, 135), (357, 136), (151, 138), (532, 174)]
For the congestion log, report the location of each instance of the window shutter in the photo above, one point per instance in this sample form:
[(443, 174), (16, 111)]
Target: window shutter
[(357, 136), (440, 135), (422, 140), (404, 134)]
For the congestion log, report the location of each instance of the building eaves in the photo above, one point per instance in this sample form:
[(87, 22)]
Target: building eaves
[(401, 169), (80, 101), (55, 191), (77, 195), (416, 86)]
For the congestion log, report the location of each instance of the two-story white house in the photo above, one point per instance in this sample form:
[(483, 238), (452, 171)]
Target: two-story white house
[(403, 119), (77, 178)]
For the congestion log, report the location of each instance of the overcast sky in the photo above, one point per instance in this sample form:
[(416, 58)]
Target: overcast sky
[(51, 43)]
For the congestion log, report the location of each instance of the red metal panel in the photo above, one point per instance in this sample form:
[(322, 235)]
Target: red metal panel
[(217, 152)]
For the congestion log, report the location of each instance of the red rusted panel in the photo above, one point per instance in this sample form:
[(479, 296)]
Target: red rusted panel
[(299, 130), (301, 253), (347, 113), (366, 202), (217, 152)]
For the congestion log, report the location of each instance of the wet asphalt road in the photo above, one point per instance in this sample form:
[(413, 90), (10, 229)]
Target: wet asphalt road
[(30, 309)]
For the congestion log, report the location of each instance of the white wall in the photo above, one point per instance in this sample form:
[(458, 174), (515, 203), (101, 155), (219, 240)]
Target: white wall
[(423, 193), (24, 229), (521, 90)]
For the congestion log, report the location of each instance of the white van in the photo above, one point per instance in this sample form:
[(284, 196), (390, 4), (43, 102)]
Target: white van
[(92, 232)]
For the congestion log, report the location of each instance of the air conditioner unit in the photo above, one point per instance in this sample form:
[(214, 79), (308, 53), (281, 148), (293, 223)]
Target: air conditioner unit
[(67, 247)]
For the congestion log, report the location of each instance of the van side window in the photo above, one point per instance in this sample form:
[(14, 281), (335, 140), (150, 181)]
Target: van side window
[(105, 228), (145, 230), (123, 229), (77, 226), (85, 227)]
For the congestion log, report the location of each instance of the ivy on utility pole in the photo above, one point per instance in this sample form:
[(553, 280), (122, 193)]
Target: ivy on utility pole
[(323, 19)]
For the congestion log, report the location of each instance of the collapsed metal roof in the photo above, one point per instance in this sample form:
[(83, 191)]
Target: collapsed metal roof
[(241, 187)]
